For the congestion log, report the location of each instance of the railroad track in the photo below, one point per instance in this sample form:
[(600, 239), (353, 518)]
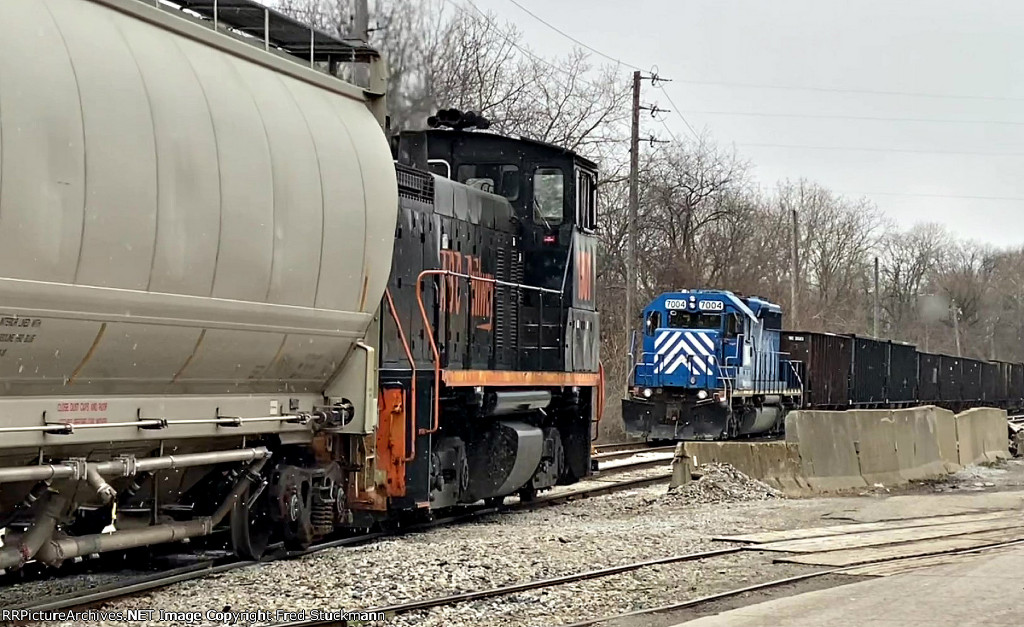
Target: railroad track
[(604, 455), (455, 599), (145, 583)]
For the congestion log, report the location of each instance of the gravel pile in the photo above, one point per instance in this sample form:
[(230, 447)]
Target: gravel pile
[(722, 483)]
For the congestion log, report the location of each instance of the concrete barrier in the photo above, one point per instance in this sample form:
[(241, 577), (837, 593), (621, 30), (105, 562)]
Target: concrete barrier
[(925, 442), (843, 450), (828, 449), (775, 463), (876, 442), (981, 436)]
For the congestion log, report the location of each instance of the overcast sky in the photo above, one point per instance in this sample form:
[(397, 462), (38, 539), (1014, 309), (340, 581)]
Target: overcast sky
[(736, 66)]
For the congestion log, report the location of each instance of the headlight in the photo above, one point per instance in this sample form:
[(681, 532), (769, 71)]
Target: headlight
[(693, 380), (702, 394), (647, 392)]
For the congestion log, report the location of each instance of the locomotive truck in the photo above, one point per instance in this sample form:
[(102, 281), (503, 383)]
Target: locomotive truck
[(228, 302), (713, 365)]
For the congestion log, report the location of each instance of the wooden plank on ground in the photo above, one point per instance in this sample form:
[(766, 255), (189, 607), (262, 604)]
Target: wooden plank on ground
[(900, 566), (867, 555), (835, 530), (889, 536)]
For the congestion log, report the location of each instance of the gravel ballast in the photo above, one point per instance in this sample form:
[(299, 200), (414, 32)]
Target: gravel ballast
[(616, 529)]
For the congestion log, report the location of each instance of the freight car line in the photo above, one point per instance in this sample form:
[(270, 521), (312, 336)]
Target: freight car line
[(151, 582)]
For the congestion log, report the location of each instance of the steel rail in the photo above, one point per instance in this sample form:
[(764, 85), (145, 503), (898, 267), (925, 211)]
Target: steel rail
[(156, 581), (774, 584), (626, 453)]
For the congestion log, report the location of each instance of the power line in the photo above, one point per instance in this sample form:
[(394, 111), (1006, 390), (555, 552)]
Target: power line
[(869, 118), (923, 195), (882, 149), (676, 110), (573, 39), (840, 90)]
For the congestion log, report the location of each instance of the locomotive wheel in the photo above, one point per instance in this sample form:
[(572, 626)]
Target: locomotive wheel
[(527, 494), (251, 527)]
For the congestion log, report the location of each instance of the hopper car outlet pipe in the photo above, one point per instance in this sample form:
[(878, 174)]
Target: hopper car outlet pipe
[(25, 548), (127, 466), (55, 551)]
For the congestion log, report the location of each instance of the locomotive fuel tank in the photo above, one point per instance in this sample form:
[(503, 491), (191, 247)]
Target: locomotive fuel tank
[(181, 213)]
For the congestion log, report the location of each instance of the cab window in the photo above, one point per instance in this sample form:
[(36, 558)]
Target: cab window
[(495, 178), (653, 322), (548, 196), (586, 200), (678, 319)]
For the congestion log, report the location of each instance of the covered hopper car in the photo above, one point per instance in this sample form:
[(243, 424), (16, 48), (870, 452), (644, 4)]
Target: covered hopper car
[(228, 302)]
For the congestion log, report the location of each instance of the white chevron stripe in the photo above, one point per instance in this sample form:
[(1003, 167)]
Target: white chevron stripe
[(707, 340), (680, 344), (699, 345), (662, 337), (696, 363)]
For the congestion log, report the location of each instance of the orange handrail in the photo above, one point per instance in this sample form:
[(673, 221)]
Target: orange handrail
[(412, 364), (433, 347), (430, 331)]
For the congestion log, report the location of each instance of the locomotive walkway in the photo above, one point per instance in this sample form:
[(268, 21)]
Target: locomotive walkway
[(977, 591)]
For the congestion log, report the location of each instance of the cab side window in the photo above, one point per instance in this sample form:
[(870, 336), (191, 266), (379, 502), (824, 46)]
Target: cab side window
[(653, 322), (548, 196)]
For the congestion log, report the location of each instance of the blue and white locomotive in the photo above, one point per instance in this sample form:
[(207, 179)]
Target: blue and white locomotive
[(707, 366)]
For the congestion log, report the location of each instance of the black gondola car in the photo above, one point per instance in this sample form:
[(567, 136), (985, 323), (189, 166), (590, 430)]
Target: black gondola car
[(928, 389), (869, 369), (950, 376), (901, 379), (970, 382), (1016, 392), (989, 382), (823, 362)]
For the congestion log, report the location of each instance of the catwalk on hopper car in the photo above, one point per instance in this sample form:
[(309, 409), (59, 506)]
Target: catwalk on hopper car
[(231, 302)]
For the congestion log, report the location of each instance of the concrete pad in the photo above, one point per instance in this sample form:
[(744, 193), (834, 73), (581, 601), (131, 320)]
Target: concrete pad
[(836, 530), (924, 505), (980, 592), (888, 552), (891, 536)]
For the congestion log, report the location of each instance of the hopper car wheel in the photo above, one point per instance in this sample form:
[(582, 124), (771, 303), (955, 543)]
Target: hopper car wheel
[(251, 527)]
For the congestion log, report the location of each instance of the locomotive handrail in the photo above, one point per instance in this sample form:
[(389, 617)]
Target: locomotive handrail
[(412, 364), (430, 329)]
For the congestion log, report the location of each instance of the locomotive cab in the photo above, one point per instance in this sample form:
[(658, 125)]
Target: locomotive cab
[(494, 259), (707, 366)]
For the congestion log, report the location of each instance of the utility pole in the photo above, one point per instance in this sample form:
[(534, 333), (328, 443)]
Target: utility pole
[(361, 31), (794, 278), (877, 309), (634, 202), (956, 327)]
